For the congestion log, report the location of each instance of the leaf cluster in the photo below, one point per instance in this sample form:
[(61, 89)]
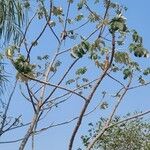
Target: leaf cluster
[(137, 46), (118, 23), (80, 50), (128, 135), (12, 17), (23, 66)]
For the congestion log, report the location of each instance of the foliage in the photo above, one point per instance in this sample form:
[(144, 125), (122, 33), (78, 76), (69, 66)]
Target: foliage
[(12, 17), (132, 134), (68, 55)]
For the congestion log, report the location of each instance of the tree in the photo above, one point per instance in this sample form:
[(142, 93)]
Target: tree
[(12, 19), (122, 135), (51, 67)]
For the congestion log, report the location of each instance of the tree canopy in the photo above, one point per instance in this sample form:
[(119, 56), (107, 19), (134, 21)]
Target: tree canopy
[(67, 61), (122, 135)]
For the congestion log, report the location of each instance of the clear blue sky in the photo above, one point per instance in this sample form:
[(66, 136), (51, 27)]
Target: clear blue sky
[(57, 138)]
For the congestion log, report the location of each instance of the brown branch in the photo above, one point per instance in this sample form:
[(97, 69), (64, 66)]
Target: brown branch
[(10, 142), (105, 15), (70, 67), (31, 97), (56, 86), (41, 33), (137, 86), (24, 35), (115, 80), (36, 40), (129, 118), (10, 127), (29, 132), (67, 122), (91, 96)]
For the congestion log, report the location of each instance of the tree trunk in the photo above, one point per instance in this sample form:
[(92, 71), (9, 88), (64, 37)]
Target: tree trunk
[(29, 132)]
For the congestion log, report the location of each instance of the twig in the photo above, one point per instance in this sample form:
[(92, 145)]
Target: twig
[(6, 109), (56, 86)]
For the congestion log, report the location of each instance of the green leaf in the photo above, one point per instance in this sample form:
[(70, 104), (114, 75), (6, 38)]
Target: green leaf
[(127, 73), (81, 71), (86, 45), (146, 71), (70, 81), (122, 57), (141, 80), (104, 105), (135, 36), (81, 4), (79, 17), (118, 24), (57, 11)]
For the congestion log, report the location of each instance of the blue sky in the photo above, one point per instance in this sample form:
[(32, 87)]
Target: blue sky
[(57, 138)]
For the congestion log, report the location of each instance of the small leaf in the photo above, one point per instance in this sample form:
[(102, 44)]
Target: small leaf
[(104, 105), (70, 81), (79, 17), (81, 71)]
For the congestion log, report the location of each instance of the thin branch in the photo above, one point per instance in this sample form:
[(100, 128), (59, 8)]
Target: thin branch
[(63, 77), (82, 25), (67, 122), (137, 86), (24, 35), (29, 132), (56, 86), (105, 15), (6, 109), (11, 142), (115, 80), (36, 40), (129, 118), (41, 33), (10, 127), (31, 98), (67, 14)]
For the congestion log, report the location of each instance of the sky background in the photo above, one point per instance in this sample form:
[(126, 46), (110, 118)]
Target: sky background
[(137, 18)]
